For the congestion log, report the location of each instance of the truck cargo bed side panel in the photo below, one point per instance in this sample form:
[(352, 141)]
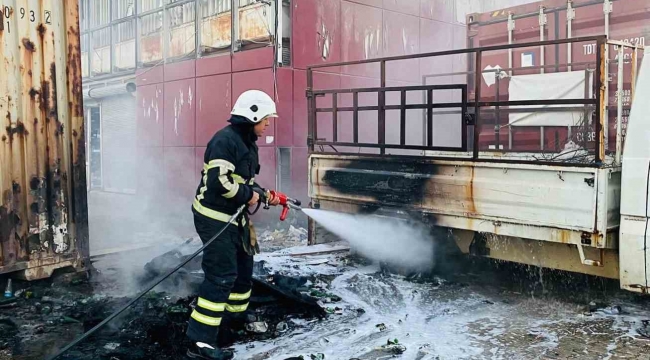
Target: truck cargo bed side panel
[(472, 194)]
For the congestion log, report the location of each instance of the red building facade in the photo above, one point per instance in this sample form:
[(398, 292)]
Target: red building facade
[(188, 72), (180, 105)]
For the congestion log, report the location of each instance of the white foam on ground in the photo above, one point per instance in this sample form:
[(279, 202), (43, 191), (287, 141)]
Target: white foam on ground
[(433, 322), (348, 335)]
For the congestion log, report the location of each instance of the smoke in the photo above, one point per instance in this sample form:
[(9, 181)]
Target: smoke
[(134, 229), (142, 187), (140, 197), (392, 241)]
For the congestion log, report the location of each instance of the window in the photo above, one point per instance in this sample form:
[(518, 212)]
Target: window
[(256, 21), (100, 39), (101, 51), (148, 5), (84, 56), (123, 9), (151, 38), (216, 25), (83, 15), (284, 170), (99, 13), (117, 36), (95, 147), (124, 46), (182, 31)]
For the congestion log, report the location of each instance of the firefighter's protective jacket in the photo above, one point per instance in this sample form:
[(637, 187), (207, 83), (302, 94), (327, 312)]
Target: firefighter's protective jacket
[(230, 164)]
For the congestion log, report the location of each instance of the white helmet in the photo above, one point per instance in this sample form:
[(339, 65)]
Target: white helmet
[(254, 105)]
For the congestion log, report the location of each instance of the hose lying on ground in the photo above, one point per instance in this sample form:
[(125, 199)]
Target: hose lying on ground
[(144, 292)]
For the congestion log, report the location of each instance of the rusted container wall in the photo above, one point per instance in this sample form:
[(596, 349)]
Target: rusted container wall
[(43, 209), (629, 21)]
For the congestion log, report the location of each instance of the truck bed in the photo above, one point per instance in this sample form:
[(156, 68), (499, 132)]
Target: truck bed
[(572, 205)]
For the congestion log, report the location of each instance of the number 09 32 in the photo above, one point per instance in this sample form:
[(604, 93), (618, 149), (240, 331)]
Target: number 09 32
[(6, 13)]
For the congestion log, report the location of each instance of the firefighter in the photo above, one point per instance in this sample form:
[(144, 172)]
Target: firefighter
[(228, 181)]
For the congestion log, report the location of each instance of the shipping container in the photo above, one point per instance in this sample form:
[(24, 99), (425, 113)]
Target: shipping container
[(43, 209), (622, 20)]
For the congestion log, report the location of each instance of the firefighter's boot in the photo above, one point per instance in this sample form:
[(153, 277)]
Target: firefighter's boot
[(205, 351)]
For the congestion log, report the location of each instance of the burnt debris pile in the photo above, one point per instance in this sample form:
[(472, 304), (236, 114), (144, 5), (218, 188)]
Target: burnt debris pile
[(275, 299), (44, 316)]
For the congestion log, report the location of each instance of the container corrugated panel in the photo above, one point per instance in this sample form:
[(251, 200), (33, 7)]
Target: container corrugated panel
[(629, 21), (43, 203)]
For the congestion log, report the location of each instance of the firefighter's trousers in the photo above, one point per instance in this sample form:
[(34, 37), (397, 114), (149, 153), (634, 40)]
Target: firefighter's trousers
[(227, 285)]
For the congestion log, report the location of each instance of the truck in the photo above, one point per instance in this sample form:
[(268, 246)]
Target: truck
[(581, 206)]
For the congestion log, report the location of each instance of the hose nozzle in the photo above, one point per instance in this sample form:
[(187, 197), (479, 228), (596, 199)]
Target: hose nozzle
[(286, 203)]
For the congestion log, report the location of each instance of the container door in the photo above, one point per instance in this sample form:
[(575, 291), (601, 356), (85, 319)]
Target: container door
[(627, 21)]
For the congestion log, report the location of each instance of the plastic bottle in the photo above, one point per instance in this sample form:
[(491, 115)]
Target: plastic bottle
[(8, 290)]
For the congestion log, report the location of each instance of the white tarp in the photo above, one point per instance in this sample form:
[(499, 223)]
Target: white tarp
[(551, 86)]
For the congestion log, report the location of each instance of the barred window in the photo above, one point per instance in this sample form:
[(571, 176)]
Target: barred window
[(99, 13), (148, 5), (123, 9)]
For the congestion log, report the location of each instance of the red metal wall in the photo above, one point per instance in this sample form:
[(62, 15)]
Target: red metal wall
[(181, 105), (342, 30)]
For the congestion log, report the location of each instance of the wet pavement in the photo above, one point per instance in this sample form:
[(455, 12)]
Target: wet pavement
[(475, 309), (502, 311)]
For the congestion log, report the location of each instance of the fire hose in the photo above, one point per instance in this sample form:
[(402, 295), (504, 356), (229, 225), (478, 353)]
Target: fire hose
[(286, 203)]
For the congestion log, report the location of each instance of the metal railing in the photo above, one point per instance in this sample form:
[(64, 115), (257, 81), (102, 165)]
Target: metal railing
[(383, 107), (499, 74), (469, 118)]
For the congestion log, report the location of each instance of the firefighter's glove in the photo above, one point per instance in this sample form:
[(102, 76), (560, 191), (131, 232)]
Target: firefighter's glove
[(254, 199), (273, 200), (254, 247)]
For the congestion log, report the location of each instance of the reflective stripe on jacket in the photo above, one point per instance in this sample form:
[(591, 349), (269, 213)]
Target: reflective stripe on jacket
[(229, 167)]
